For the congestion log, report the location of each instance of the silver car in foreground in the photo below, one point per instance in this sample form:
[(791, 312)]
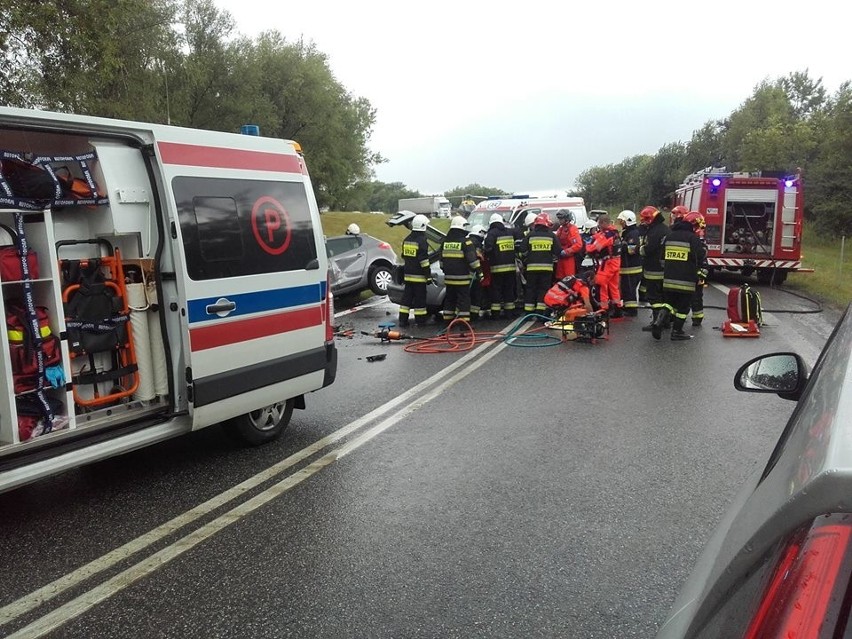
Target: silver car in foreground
[(780, 563)]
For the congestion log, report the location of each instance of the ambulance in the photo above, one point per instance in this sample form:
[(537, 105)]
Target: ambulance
[(156, 280), (515, 208), (754, 220)]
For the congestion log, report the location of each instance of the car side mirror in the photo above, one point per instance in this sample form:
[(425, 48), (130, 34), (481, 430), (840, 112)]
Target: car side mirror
[(784, 374)]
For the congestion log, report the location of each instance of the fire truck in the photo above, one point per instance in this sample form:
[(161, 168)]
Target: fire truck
[(754, 220)]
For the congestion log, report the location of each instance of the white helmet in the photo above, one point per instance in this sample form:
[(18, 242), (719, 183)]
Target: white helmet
[(478, 229), (589, 224), (529, 219), (495, 217), (419, 222), (458, 222), (353, 229), (628, 217)]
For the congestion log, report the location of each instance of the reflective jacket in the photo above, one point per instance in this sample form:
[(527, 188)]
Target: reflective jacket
[(683, 256), (568, 291), (631, 261), (458, 258), (652, 249), (605, 244), (540, 249), (500, 248), (415, 255)]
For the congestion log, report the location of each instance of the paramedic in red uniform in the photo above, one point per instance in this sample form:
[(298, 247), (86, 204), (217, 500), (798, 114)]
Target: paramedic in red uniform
[(570, 244), (683, 255), (606, 248), (539, 250), (651, 250)]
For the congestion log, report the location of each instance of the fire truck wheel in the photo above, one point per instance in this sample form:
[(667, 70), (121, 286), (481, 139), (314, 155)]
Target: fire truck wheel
[(261, 426), (771, 277)]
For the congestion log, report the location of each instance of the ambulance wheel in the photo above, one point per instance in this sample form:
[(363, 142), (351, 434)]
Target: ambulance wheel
[(261, 426), (380, 276)]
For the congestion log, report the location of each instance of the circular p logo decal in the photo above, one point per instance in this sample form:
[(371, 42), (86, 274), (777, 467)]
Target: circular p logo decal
[(270, 224)]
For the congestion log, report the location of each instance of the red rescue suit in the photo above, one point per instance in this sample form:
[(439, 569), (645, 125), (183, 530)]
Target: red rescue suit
[(606, 247), (571, 244)]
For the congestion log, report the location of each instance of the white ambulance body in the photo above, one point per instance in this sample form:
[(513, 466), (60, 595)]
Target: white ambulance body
[(514, 209), (221, 234)]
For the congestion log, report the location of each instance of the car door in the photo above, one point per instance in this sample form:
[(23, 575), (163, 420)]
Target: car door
[(348, 254)]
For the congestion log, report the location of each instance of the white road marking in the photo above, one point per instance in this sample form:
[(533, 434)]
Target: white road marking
[(348, 311), (74, 608)]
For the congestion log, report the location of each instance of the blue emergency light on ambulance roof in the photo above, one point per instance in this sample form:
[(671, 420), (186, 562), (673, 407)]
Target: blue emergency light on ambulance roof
[(250, 129)]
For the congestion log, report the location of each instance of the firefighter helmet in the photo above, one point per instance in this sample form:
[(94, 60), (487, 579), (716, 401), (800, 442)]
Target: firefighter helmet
[(419, 222), (495, 217), (647, 215), (477, 229), (564, 215), (529, 219), (696, 220), (353, 229), (589, 225), (458, 222), (542, 219), (627, 217), (679, 212)]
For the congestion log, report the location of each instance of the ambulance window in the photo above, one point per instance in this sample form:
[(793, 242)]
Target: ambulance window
[(233, 228), (218, 228)]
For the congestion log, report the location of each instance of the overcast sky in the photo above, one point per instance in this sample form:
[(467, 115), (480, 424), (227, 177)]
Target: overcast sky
[(526, 95)]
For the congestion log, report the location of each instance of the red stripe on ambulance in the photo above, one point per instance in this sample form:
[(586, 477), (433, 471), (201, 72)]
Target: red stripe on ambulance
[(219, 158), (222, 334)]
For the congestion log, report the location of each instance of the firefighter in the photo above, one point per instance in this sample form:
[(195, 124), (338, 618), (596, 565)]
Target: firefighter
[(416, 272), (499, 248), (479, 288), (353, 229), (589, 227), (460, 266), (539, 250), (697, 303), (606, 247), (652, 259), (570, 244), (683, 255), (631, 262)]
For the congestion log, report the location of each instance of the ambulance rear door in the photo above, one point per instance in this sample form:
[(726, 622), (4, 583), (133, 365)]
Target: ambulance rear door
[(250, 269)]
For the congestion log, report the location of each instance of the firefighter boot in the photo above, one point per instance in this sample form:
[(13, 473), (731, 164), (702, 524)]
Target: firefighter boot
[(660, 320), (678, 334), (650, 326), (403, 320), (696, 321)]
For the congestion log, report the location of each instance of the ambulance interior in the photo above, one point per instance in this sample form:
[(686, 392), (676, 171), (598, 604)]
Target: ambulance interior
[(111, 238)]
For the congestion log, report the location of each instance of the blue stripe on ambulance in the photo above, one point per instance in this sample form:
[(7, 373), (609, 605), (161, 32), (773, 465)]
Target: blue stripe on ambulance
[(259, 301)]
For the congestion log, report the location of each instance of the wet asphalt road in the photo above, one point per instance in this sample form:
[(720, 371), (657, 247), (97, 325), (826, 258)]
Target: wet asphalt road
[(530, 492)]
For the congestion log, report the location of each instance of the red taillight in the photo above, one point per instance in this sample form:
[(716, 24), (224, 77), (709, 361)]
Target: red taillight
[(329, 311), (808, 585), (384, 245)]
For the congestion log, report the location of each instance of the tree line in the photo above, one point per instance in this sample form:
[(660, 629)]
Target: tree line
[(789, 125), (182, 62)]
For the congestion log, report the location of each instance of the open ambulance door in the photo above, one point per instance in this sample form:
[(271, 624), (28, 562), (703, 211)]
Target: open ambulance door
[(250, 276)]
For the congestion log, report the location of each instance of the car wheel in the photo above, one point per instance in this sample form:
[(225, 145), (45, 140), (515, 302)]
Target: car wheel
[(380, 276), (261, 426)]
